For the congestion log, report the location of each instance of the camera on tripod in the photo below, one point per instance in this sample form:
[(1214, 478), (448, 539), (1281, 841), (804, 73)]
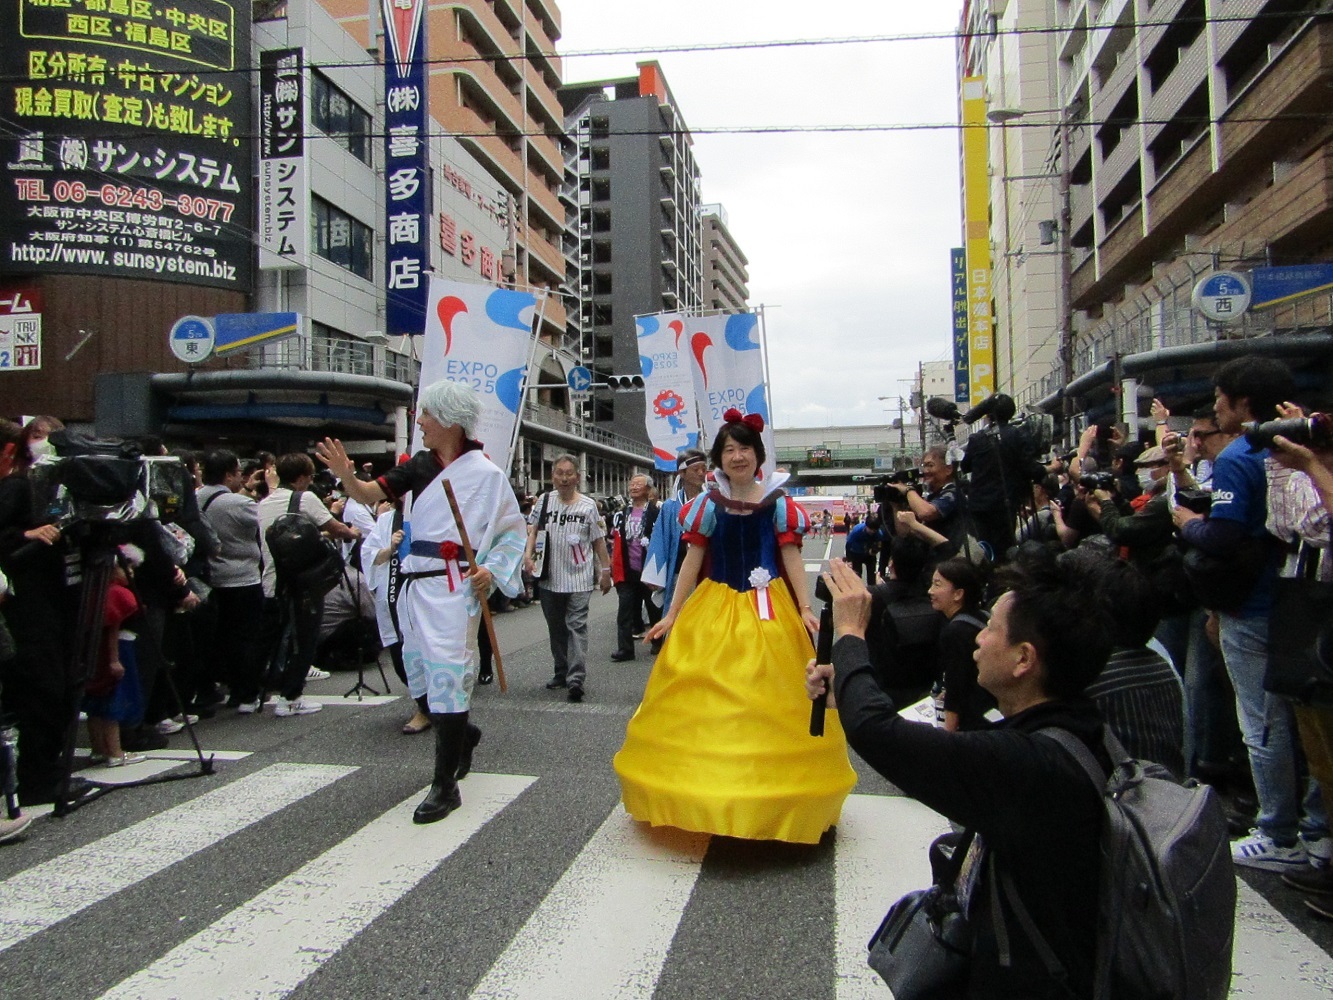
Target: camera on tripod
[(886, 495)]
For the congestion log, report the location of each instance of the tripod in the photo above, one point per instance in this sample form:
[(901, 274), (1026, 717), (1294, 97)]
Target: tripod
[(362, 651), (98, 559)]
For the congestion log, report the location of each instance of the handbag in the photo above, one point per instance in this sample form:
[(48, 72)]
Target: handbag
[(539, 541), (1300, 634), (923, 947)]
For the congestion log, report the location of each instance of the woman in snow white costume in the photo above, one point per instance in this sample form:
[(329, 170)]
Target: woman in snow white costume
[(720, 743)]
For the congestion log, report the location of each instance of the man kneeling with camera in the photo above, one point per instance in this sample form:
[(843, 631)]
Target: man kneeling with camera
[(1027, 799)]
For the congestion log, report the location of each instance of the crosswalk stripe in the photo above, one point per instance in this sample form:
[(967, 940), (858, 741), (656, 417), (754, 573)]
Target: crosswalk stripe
[(269, 946), (337, 699), (45, 894), (605, 927), (881, 854), (1271, 957)]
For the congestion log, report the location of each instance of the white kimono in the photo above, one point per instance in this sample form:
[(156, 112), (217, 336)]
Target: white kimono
[(437, 614)]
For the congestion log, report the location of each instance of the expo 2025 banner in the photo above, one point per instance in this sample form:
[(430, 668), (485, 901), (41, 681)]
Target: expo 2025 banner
[(125, 134)]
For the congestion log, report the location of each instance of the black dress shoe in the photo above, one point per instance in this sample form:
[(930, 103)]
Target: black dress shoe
[(576, 693), (620, 657), (486, 677), (555, 684)]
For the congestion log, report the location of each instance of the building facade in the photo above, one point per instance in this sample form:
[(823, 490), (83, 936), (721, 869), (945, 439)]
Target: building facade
[(726, 278), (1009, 45), (638, 226), (1190, 139)]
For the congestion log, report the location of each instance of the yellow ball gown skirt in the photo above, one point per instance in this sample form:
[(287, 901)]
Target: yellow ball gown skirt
[(721, 741)]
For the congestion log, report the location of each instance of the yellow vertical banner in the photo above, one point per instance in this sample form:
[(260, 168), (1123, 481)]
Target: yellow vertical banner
[(976, 229)]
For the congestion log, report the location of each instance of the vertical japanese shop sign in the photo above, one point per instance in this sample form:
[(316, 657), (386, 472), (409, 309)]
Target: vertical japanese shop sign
[(962, 325), (125, 137), (20, 328), (976, 226), (284, 209), (406, 145)]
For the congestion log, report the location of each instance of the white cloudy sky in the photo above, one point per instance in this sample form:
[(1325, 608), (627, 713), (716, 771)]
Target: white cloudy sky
[(848, 234)]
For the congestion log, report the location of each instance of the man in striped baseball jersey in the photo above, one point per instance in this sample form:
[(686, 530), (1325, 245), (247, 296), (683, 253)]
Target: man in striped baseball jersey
[(574, 536)]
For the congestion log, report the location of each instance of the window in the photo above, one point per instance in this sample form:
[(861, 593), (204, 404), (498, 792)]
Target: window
[(341, 118), (334, 351), (341, 238)]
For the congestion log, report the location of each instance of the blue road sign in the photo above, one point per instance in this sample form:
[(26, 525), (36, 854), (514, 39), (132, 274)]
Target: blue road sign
[(579, 379)]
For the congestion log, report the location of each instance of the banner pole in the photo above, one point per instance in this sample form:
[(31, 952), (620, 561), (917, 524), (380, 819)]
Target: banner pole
[(539, 317)]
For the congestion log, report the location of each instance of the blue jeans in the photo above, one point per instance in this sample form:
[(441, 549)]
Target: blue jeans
[(1268, 727)]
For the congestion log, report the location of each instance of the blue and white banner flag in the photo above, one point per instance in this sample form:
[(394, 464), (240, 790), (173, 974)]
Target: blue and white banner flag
[(481, 335), (669, 409), (727, 355)]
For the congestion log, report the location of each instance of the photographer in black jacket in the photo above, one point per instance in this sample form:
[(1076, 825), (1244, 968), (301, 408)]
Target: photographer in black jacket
[(1002, 467), (1029, 801)]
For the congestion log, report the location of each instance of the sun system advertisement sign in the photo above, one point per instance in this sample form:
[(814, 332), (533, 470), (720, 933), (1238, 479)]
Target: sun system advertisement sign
[(284, 209), (125, 137)]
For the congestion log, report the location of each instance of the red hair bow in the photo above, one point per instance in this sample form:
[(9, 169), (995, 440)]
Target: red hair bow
[(449, 551), (751, 420)]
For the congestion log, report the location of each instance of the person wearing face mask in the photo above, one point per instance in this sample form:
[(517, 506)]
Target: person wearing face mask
[(36, 437), (721, 743)]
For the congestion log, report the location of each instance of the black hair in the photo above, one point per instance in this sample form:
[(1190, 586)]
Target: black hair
[(1004, 408), (1054, 607), (909, 558), (1264, 382), (964, 576), (1125, 592), (293, 466), (1206, 412), (743, 435), (217, 464)]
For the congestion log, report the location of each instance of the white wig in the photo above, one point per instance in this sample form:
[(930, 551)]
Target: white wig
[(452, 404)]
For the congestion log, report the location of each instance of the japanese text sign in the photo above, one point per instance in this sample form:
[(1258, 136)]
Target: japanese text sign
[(125, 133), (284, 202)]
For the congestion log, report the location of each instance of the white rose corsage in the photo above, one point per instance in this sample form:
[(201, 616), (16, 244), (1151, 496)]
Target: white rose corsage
[(760, 579)]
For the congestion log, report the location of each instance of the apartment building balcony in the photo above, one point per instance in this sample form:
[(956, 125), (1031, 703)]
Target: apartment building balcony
[(1190, 73)]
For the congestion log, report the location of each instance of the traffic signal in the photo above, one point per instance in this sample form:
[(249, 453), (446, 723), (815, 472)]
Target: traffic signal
[(624, 383)]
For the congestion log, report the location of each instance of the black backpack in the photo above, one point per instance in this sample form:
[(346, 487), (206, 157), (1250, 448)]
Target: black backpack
[(307, 563)]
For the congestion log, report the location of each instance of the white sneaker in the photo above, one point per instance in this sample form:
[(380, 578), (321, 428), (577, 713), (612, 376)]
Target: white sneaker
[(248, 707), (1320, 851), (125, 758), (300, 706), (1259, 851), (168, 726), (315, 674)]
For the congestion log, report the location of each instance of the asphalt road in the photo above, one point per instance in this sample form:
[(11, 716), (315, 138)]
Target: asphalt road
[(295, 870)]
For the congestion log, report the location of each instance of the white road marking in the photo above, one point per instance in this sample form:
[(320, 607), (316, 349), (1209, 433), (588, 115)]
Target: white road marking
[(183, 753), (1271, 958), (41, 896), (881, 854), (269, 946), (605, 927), (337, 699)]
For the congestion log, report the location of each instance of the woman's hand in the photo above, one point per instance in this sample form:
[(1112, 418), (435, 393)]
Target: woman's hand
[(811, 620), (819, 681), (116, 669), (1159, 411), (660, 630)]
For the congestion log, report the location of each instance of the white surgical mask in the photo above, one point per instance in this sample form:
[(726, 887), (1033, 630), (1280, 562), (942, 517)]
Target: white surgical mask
[(1145, 479), (41, 449)]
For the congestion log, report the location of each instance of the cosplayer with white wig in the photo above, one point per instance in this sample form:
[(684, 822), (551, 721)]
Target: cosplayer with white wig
[(436, 596)]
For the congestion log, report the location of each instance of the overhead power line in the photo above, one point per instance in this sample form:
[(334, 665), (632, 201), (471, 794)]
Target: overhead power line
[(793, 43)]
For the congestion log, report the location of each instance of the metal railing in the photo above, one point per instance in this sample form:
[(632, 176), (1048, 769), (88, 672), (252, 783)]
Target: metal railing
[(343, 355), (549, 416)]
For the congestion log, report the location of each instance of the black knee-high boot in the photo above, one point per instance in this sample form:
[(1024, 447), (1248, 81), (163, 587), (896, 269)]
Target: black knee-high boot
[(443, 798), (471, 737)]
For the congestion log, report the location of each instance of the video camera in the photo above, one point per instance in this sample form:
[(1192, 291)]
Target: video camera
[(1314, 431), (885, 495), (106, 480), (1093, 481)]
